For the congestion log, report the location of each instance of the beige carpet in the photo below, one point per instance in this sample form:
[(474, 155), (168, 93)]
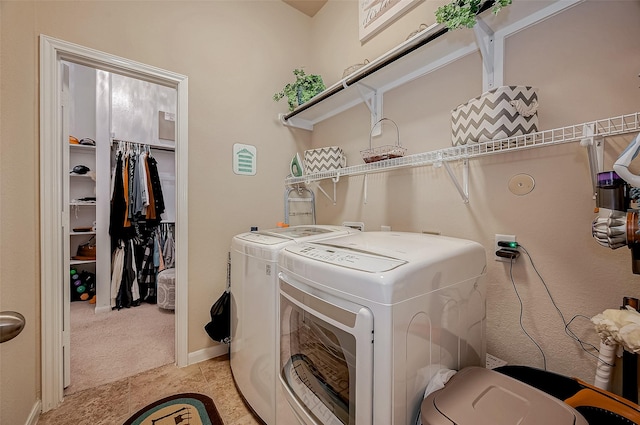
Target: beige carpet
[(111, 346)]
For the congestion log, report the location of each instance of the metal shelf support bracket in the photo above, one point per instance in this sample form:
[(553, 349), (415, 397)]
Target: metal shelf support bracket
[(595, 150), (464, 188), (365, 188), (373, 99), (327, 195), (485, 38)]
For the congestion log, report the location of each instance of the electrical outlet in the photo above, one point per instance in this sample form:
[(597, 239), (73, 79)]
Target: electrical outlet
[(357, 225), (509, 238)]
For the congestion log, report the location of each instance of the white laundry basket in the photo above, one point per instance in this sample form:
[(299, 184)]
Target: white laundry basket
[(167, 289)]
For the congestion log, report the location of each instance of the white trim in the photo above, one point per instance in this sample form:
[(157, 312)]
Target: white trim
[(182, 220), (50, 228), (35, 414), (52, 51), (208, 353)]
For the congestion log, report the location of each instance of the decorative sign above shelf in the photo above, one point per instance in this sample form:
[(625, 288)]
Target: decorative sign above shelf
[(374, 15)]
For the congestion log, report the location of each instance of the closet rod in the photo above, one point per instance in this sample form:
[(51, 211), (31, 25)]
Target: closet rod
[(157, 147)]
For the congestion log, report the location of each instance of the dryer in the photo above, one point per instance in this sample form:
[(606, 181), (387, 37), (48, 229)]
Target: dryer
[(366, 320), (254, 289)]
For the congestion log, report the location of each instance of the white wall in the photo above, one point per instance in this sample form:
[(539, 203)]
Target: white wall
[(236, 54), (82, 116), (585, 63), (135, 108)]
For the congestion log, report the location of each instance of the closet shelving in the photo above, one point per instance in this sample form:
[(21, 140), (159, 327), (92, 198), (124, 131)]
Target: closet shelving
[(76, 262), (81, 233), (82, 213), (587, 134)]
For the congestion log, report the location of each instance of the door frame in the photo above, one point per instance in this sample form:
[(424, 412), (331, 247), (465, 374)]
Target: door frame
[(52, 52)]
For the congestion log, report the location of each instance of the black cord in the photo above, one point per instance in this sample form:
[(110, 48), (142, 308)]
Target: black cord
[(544, 359), (584, 345)]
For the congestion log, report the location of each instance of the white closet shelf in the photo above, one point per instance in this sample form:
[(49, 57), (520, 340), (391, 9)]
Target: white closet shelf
[(76, 262), (81, 233), (580, 132), (82, 147)]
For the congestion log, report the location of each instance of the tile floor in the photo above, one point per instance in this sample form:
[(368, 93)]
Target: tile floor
[(114, 403)]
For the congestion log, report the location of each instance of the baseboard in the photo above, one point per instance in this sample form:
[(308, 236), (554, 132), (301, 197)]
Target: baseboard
[(208, 353), (103, 309), (35, 413)]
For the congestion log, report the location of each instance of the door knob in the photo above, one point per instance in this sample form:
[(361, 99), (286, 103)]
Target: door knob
[(11, 324)]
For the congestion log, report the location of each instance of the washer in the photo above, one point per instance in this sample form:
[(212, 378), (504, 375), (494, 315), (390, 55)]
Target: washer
[(253, 309), (366, 320)]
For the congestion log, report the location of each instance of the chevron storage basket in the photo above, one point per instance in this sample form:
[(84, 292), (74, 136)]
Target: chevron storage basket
[(324, 159), (497, 114)]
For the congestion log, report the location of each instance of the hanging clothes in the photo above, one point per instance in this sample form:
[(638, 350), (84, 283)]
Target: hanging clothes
[(134, 221), (156, 187), (117, 267), (118, 204), (144, 185), (148, 275), (169, 252), (128, 293), (158, 256), (150, 212)]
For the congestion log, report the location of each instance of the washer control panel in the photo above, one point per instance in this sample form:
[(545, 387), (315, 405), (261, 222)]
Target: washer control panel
[(352, 259)]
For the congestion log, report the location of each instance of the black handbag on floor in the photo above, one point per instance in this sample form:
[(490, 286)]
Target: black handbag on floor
[(219, 328)]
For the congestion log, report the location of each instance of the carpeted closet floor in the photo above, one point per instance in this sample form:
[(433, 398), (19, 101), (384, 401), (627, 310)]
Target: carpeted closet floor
[(107, 347)]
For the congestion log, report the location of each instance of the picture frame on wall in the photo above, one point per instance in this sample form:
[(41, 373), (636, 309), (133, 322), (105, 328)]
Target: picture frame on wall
[(375, 15)]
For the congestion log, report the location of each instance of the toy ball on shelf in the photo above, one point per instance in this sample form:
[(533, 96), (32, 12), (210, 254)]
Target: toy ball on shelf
[(83, 286)]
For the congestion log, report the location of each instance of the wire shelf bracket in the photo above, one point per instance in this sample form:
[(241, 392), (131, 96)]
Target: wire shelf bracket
[(464, 188)]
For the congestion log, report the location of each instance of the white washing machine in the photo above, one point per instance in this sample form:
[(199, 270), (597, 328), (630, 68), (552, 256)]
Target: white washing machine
[(254, 289), (366, 320)]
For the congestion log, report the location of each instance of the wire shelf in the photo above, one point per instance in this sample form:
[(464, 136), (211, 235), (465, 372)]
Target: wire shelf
[(600, 128)]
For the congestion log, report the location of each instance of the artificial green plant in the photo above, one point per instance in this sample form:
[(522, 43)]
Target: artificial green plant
[(301, 90), (462, 13)]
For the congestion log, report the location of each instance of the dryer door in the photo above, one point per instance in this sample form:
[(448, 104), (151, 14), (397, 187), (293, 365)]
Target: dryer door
[(320, 339)]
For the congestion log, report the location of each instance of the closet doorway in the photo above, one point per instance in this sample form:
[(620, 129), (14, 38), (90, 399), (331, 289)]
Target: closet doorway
[(53, 141)]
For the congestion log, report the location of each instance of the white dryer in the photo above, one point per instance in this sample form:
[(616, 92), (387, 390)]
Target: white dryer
[(254, 289), (366, 320)]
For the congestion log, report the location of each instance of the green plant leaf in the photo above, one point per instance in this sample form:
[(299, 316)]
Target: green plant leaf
[(462, 13), (304, 88)]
